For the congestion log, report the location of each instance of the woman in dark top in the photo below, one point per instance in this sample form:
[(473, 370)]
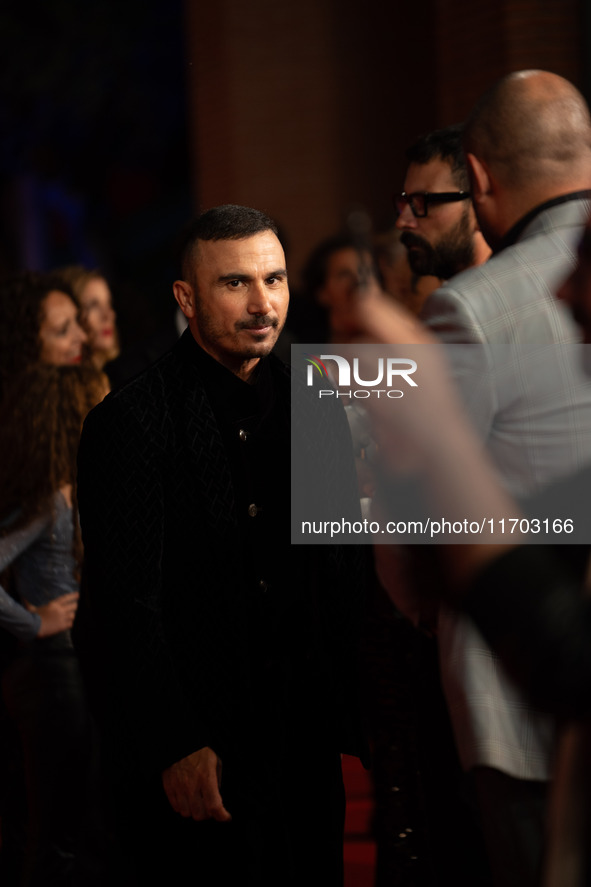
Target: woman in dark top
[(40, 422)]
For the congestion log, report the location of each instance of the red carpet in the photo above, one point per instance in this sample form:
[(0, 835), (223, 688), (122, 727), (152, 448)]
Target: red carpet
[(360, 851)]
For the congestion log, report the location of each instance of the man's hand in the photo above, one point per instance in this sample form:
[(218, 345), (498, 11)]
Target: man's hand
[(58, 615), (192, 786)]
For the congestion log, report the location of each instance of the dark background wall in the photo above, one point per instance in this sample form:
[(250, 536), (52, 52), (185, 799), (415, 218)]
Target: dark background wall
[(94, 162), (118, 120)]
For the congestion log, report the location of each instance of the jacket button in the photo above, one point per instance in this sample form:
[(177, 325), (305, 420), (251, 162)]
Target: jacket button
[(263, 585), (253, 510), (242, 434)]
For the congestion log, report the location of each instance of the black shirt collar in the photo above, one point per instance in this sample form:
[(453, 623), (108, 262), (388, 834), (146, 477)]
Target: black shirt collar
[(514, 233), (231, 397)]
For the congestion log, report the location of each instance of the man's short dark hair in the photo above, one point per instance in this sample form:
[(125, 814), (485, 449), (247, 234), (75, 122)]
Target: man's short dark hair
[(226, 222), (443, 144)]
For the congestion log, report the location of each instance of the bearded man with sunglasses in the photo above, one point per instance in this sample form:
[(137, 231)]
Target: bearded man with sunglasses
[(438, 224)]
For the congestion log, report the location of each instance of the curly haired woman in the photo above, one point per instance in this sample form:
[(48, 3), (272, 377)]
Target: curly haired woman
[(39, 323), (40, 422)]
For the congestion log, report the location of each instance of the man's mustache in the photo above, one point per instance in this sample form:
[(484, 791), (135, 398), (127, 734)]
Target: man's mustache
[(256, 322), (408, 239)]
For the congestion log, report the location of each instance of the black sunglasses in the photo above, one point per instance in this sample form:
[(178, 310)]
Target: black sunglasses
[(420, 200)]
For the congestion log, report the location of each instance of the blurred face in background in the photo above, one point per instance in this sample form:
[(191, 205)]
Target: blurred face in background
[(98, 317), (346, 269), (60, 335)]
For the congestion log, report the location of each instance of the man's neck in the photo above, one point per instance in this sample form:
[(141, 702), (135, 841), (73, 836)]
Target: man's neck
[(243, 368), (482, 250), (513, 234), (247, 370)]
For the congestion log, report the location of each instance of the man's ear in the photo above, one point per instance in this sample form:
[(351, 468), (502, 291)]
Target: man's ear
[(183, 293), (479, 178)]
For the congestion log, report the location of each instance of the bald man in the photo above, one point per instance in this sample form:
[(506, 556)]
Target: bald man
[(528, 149)]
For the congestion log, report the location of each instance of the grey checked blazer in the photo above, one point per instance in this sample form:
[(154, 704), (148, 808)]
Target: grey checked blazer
[(535, 416)]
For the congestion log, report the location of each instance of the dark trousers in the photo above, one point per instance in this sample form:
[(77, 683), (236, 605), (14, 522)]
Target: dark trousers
[(44, 697), (513, 816)]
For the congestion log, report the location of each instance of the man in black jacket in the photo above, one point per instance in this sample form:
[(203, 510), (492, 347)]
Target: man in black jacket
[(228, 654)]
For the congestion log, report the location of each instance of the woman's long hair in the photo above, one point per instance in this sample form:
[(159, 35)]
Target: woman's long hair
[(21, 308), (40, 423), (76, 277)]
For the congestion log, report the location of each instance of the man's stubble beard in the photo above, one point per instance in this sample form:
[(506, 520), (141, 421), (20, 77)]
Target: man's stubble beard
[(454, 253), (213, 337)]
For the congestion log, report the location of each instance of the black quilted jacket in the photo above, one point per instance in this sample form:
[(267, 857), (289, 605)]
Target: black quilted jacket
[(166, 598)]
